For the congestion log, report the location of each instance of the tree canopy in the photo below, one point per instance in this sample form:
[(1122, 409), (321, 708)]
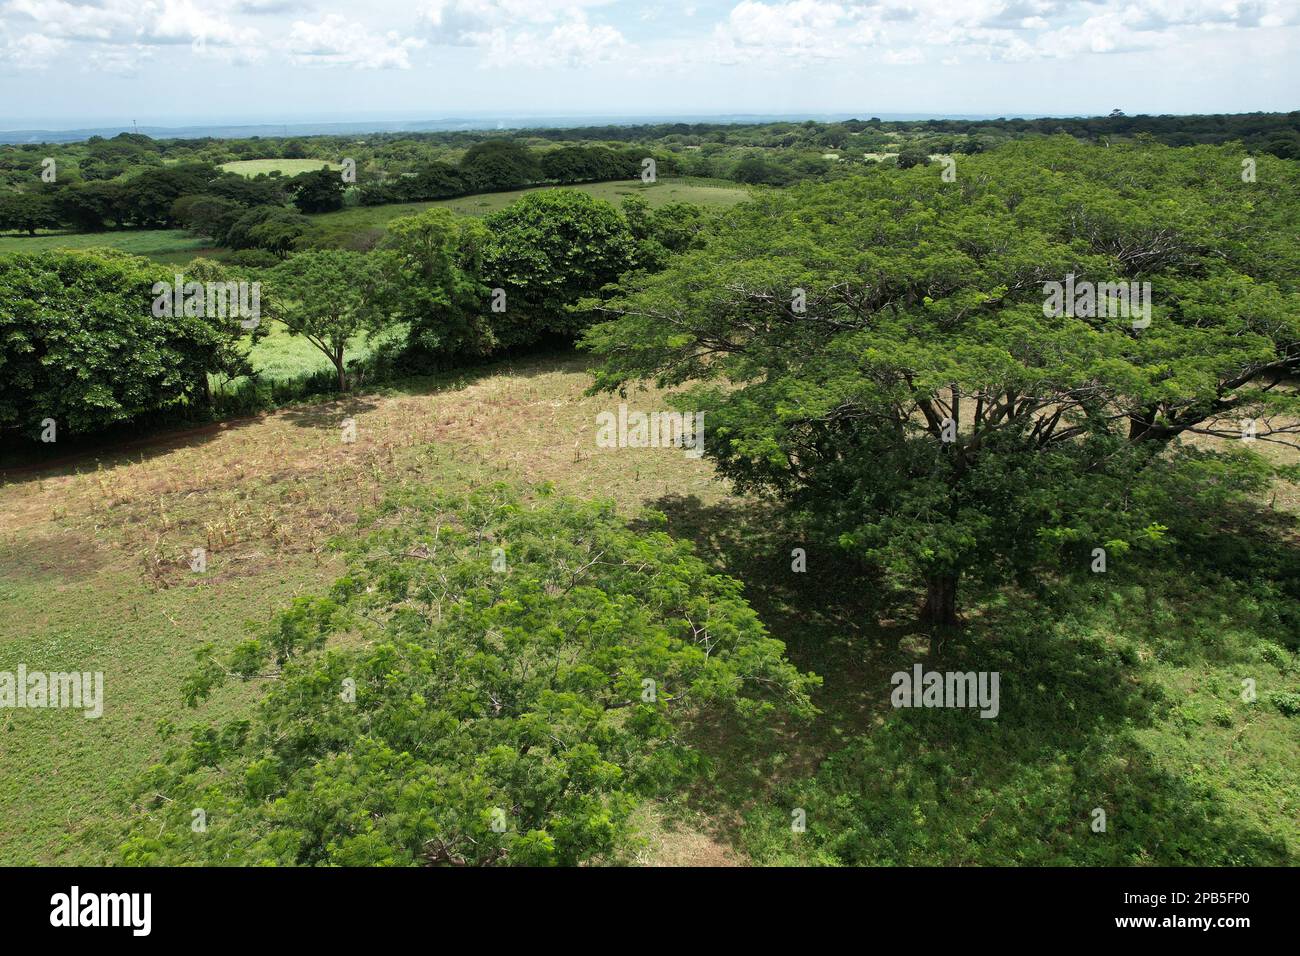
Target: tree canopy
[(878, 350), (494, 680), (80, 343)]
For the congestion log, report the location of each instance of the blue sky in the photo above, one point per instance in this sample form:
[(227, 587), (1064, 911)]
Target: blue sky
[(175, 61)]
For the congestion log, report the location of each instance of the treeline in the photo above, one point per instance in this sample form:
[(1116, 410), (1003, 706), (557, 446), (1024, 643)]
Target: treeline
[(498, 164), (94, 339), (154, 198), (251, 213), (412, 166)]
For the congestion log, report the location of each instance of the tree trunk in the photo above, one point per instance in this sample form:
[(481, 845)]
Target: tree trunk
[(940, 606)]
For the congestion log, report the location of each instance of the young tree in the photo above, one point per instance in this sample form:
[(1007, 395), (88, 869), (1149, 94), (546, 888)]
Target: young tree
[(328, 296), (881, 351)]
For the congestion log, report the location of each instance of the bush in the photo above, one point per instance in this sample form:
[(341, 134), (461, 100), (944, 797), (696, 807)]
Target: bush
[(548, 250), (79, 343)]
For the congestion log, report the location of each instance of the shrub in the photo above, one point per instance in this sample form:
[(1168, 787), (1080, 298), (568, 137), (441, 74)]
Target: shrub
[(517, 676)]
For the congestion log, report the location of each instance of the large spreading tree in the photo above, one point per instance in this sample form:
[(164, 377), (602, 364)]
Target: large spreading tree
[(877, 351)]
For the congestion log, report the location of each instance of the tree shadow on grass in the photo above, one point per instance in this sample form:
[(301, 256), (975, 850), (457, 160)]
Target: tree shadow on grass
[(113, 447), (879, 784), (328, 415)]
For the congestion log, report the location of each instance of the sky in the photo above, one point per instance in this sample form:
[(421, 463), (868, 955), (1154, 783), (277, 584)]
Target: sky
[(171, 62)]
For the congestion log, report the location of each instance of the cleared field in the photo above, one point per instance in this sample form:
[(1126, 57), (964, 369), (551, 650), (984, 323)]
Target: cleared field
[(286, 167)]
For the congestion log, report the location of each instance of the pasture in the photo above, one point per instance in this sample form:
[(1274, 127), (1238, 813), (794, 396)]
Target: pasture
[(715, 194), (160, 245), (285, 167)]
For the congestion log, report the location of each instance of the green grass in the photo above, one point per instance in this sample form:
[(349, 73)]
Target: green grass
[(286, 167), (161, 245), (702, 193), (282, 355)]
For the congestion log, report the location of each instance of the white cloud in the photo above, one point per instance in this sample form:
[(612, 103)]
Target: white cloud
[(119, 60), (539, 33), (336, 41), (460, 21), (114, 35), (31, 51), (895, 31), (130, 21), (905, 57)]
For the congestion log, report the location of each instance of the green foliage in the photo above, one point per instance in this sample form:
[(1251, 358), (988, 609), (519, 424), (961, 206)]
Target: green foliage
[(918, 407), (514, 676), (80, 343), (269, 228), (26, 212), (913, 157), (499, 164), (329, 296), (547, 251), (1288, 704), (432, 261), (319, 191)]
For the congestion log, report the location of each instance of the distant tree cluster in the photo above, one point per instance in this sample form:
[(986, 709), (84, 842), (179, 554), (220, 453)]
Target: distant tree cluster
[(497, 165), (229, 209)]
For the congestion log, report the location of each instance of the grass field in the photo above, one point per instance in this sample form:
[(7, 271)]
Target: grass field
[(161, 245), (1127, 696), (710, 193), (286, 167), (92, 569)]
